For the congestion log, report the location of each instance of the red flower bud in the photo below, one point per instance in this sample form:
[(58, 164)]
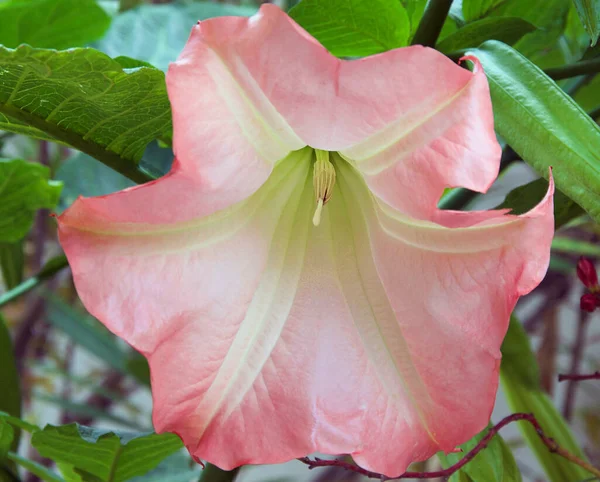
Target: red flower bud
[(587, 273), (588, 302)]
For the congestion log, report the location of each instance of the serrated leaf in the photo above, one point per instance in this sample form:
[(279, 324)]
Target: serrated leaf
[(543, 124), (157, 33), (56, 24), (589, 13), (506, 29), (85, 99), (524, 198), (519, 375), (354, 28), (104, 456), (24, 188), (495, 463)]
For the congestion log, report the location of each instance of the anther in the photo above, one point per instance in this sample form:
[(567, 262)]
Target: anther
[(323, 182)]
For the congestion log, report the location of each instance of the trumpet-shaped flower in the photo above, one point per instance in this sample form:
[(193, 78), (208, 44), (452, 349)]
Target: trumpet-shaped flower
[(291, 281)]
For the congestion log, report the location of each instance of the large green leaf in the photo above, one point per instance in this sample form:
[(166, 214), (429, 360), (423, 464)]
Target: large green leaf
[(589, 13), (520, 380), (523, 198), (104, 456), (24, 188), (84, 98), (493, 464), (158, 33), (506, 29), (543, 124), (354, 28), (56, 24)]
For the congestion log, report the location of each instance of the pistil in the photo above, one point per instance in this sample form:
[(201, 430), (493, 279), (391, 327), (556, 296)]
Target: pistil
[(323, 182)]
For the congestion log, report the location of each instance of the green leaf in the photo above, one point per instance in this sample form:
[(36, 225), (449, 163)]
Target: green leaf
[(589, 13), (354, 28), (575, 246), (549, 16), (12, 262), (157, 33), (524, 198), (18, 423), (7, 435), (56, 24), (495, 463), (85, 99), (520, 380), (105, 456), (476, 9), (543, 124), (10, 397), (86, 410), (36, 469), (506, 29), (87, 332), (414, 9), (24, 188)]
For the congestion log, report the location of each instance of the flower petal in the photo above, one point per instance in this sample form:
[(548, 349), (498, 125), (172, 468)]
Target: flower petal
[(440, 301), (410, 119)]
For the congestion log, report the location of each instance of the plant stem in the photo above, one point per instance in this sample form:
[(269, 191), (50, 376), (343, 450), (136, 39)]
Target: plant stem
[(212, 473), (573, 70), (432, 22), (50, 269), (578, 348), (576, 377), (552, 446)]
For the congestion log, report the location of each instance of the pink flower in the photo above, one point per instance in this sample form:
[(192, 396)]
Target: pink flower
[(375, 333)]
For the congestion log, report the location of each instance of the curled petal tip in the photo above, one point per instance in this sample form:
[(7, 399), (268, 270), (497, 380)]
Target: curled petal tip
[(476, 63)]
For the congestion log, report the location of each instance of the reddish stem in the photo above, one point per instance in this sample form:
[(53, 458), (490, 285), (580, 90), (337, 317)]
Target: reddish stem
[(577, 355), (575, 377), (528, 417)]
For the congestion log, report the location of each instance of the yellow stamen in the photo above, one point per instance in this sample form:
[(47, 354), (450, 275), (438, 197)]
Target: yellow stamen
[(323, 182)]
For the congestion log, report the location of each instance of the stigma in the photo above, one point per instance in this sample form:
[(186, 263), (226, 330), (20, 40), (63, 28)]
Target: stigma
[(323, 182)]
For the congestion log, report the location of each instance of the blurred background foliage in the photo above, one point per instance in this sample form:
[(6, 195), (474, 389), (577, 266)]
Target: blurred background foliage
[(101, 122)]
